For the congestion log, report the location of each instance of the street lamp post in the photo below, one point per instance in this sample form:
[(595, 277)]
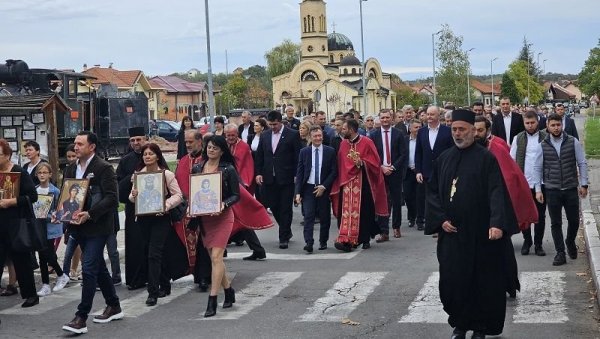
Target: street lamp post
[(364, 63), (433, 58), (545, 66), (492, 73), (538, 63), (528, 96), (211, 106), (468, 82)]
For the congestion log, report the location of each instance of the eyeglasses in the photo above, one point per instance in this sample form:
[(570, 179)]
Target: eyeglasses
[(43, 172)]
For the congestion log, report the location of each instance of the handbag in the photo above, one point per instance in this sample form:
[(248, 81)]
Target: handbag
[(178, 212), (27, 233)]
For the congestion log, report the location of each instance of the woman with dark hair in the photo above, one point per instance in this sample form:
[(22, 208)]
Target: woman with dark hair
[(260, 125), (216, 228), (32, 152), (13, 209), (186, 123), (157, 227), (219, 125)]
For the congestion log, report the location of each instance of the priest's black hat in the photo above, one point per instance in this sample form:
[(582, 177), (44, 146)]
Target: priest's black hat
[(463, 115), (136, 132)]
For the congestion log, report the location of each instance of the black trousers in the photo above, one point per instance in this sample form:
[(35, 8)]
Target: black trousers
[(421, 189), (156, 229), (48, 257), (203, 268), (312, 207), (540, 227), (409, 191), (556, 200), (393, 187), (251, 239), (280, 199), (22, 262)]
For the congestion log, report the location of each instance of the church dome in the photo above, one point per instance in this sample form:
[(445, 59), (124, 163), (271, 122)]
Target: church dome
[(339, 42), (350, 60)]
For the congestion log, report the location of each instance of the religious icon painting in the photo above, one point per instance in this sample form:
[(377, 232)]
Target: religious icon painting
[(42, 206), (205, 194), (72, 199), (10, 183), (150, 199)]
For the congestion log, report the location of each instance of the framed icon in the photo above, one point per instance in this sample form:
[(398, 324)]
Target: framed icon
[(72, 198), (27, 134), (38, 118), (14, 146), (150, 199), (28, 125), (9, 133), (205, 194), (10, 183), (17, 120), (6, 121), (42, 206)]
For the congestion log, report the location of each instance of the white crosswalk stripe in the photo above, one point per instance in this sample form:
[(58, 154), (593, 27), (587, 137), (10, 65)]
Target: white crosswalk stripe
[(55, 300), (346, 295), (427, 307), (541, 298)]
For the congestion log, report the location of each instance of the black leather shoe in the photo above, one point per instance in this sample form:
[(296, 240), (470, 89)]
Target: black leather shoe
[(308, 248), (572, 251), (211, 307), (203, 284), (322, 246), (229, 297), (151, 301), (283, 245), (478, 335), (239, 243), (31, 301), (366, 246), (539, 251), (255, 256), (559, 259), (411, 224), (420, 227), (164, 292), (525, 248), (343, 246), (458, 334)]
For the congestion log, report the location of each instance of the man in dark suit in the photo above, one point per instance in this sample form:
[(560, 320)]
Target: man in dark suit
[(409, 185), (328, 131), (432, 140), (391, 148), (507, 124), (246, 128), (292, 121), (567, 123), (94, 224), (337, 138), (317, 168), (275, 166)]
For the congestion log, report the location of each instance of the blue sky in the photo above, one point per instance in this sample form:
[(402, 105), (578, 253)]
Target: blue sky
[(161, 37)]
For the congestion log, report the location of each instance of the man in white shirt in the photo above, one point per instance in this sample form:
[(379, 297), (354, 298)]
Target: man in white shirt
[(246, 129)]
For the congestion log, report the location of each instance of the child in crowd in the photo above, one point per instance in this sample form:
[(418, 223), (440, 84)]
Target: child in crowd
[(72, 252)]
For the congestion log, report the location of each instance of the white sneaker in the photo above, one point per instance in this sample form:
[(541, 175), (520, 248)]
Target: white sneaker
[(44, 291), (61, 282)]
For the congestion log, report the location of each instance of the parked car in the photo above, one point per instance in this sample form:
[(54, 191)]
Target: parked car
[(583, 104), (203, 121), (168, 129)]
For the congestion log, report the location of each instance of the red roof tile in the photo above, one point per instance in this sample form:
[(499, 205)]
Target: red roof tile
[(113, 76), (174, 84)]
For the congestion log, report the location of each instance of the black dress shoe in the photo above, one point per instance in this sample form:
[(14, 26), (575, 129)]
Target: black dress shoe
[(478, 335), (255, 256), (525, 248), (411, 224), (366, 246), (203, 284), (239, 243), (343, 246), (458, 334), (164, 292), (308, 248), (539, 251), (559, 259), (151, 301), (322, 246), (572, 251), (31, 301), (420, 227), (283, 245)]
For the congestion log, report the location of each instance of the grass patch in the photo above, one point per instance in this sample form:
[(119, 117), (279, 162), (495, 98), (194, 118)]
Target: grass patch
[(172, 165), (121, 207), (592, 137)]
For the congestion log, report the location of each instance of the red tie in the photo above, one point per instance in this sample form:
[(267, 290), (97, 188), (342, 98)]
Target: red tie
[(387, 148)]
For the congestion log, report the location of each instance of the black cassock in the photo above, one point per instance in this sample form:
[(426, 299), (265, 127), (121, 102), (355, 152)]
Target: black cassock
[(467, 189)]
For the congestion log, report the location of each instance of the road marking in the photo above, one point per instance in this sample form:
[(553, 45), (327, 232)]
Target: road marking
[(314, 256), (258, 292), (346, 295), (541, 298), (427, 307), (48, 303)]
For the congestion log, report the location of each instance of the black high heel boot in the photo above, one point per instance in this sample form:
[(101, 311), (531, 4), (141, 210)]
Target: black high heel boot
[(211, 308), (229, 297)]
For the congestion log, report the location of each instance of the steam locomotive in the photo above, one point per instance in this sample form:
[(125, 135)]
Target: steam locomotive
[(103, 110)]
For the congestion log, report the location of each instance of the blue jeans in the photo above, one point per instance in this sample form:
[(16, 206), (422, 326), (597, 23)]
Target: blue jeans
[(94, 273), (113, 255), (69, 251)]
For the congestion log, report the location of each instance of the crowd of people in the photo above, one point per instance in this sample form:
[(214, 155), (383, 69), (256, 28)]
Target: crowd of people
[(471, 177)]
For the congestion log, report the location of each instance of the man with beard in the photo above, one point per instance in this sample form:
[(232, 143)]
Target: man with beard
[(135, 252), (507, 124), (466, 206), (358, 193)]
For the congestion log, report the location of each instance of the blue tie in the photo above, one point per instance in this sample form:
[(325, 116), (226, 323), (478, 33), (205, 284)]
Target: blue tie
[(317, 166)]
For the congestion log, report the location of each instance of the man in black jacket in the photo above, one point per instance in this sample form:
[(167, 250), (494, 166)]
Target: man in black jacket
[(246, 128), (507, 124), (568, 124), (94, 225)]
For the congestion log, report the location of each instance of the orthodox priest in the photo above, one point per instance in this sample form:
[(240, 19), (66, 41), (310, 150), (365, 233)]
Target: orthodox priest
[(135, 252), (358, 194), (466, 206)]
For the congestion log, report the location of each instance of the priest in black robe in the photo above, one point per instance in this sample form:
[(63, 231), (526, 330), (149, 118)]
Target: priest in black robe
[(465, 206), (135, 252)]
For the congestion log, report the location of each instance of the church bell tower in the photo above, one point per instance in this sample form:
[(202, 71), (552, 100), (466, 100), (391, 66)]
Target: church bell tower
[(313, 26)]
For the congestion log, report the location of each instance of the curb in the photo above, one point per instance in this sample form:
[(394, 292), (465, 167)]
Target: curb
[(592, 241)]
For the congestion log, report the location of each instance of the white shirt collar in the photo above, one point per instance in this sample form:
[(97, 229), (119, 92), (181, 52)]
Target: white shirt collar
[(88, 160)]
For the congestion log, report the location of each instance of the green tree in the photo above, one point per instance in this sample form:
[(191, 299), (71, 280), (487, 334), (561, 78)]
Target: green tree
[(281, 59), (589, 77), (234, 91), (517, 71), (454, 64), (526, 55), (509, 88)]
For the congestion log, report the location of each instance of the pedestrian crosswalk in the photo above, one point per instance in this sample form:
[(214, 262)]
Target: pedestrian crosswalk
[(541, 301)]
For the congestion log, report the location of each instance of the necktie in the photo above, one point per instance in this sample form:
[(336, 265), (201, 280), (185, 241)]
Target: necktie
[(317, 164), (387, 148)]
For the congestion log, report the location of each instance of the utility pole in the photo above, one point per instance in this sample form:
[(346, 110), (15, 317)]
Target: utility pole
[(211, 105)]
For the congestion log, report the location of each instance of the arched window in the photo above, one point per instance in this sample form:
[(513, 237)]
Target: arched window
[(372, 73), (341, 57), (331, 58), (305, 25), (309, 75), (345, 71), (285, 94), (353, 70), (313, 23)]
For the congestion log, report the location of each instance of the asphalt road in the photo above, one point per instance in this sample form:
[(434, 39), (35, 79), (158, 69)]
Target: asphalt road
[(388, 291)]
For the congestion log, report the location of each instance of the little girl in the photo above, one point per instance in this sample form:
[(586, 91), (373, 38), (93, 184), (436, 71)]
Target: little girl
[(55, 230)]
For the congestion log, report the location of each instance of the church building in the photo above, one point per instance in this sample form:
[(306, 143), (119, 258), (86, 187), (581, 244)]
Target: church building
[(329, 75)]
